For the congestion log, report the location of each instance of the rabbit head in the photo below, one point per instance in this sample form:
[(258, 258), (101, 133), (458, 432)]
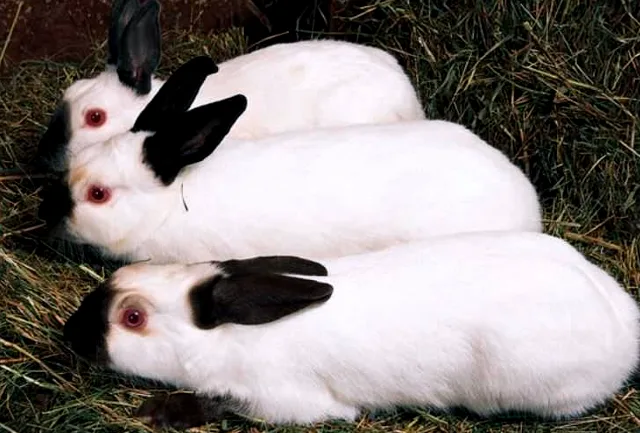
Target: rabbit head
[(95, 109), (138, 320), (120, 190)]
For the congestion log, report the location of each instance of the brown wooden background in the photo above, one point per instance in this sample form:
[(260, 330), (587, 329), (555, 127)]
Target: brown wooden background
[(68, 29)]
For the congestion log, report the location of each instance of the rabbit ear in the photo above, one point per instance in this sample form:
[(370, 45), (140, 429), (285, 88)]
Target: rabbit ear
[(176, 95), (139, 47), (253, 299), (190, 137), (274, 265), (121, 13)]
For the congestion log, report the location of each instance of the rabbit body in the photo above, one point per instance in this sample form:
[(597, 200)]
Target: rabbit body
[(291, 86), (490, 322), (323, 193), (479, 324), (313, 84)]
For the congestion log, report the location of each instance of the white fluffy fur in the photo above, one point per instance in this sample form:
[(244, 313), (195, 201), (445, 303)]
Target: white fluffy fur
[(488, 321), (323, 193), (290, 86)]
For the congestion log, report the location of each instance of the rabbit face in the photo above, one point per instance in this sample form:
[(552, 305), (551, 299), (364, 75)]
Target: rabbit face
[(108, 199), (92, 111), (145, 316), (129, 322), (117, 193)]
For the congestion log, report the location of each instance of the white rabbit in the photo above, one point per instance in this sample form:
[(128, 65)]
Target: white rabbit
[(292, 86), (159, 195), (490, 322)]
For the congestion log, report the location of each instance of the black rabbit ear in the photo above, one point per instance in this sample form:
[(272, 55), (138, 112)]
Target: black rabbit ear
[(253, 299), (273, 265), (139, 48), (176, 95), (122, 11), (190, 137)]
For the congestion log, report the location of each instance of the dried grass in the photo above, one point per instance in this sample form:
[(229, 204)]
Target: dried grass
[(553, 83)]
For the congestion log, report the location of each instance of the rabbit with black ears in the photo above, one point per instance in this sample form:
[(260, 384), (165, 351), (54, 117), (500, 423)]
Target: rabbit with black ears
[(178, 188), (490, 322), (292, 86)]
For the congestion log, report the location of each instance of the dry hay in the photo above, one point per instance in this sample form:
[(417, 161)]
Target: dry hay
[(555, 84)]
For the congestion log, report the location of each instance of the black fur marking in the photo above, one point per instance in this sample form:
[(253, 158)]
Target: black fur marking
[(253, 299), (139, 48), (87, 328), (183, 411), (191, 137), (176, 95), (57, 203), (74, 251), (122, 11), (56, 206), (51, 154), (274, 265)]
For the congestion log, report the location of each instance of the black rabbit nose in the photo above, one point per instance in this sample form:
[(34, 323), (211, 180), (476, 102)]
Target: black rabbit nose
[(56, 203), (85, 331), (84, 341)]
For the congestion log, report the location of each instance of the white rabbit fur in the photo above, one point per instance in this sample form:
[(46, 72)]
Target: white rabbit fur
[(322, 193), (291, 86), (486, 321)]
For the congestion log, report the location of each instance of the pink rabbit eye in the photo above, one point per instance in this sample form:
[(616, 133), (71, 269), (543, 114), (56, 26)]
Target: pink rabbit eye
[(98, 194), (95, 117), (133, 318)]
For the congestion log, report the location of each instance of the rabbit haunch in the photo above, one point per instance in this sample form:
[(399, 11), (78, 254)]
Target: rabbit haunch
[(319, 193), (490, 322), (292, 86)]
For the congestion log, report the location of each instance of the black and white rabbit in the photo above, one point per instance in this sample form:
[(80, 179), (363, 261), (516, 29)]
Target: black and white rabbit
[(292, 86), (177, 187), (490, 322)]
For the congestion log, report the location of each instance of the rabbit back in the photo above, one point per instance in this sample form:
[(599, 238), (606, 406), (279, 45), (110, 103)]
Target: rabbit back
[(450, 324), (314, 84)]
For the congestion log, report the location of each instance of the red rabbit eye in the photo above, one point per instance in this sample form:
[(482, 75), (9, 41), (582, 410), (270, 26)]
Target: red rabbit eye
[(133, 318), (95, 117), (98, 194)]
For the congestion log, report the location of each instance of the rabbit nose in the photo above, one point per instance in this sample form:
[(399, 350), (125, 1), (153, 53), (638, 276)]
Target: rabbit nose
[(56, 204), (85, 331), (83, 341)]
